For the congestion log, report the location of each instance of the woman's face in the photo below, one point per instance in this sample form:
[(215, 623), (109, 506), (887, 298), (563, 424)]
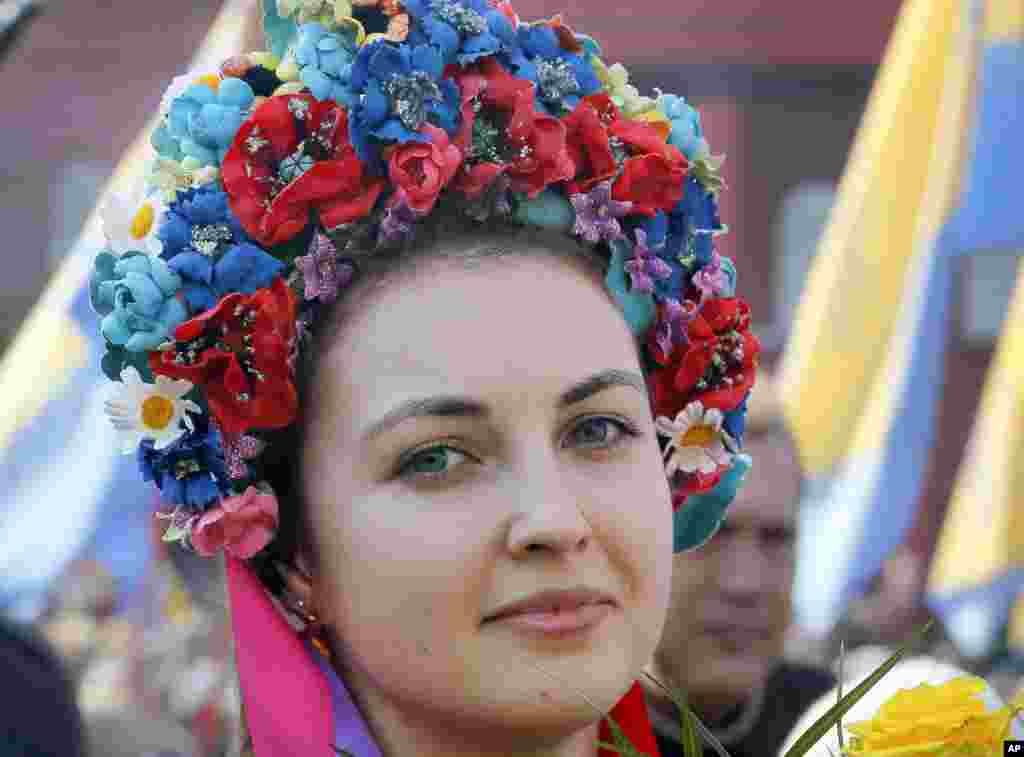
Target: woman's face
[(528, 475)]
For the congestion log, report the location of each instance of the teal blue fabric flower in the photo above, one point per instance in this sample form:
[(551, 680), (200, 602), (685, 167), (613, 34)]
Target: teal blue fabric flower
[(325, 62), (687, 134), (697, 519), (637, 307), (202, 123), (136, 297)]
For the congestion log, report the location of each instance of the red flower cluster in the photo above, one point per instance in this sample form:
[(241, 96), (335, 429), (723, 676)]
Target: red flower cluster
[(238, 352), (293, 156), (652, 171), (529, 146), (419, 171), (717, 367)]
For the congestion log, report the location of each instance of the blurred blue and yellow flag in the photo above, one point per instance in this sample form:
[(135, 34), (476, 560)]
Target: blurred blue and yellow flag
[(65, 485), (864, 366), (977, 575)]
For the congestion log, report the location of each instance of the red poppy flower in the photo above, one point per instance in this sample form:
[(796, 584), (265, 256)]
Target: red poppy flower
[(293, 156), (419, 171), (600, 140), (718, 366), (501, 132), (238, 352)]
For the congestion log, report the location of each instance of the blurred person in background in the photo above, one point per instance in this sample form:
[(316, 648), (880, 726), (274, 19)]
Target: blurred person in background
[(730, 612), (39, 713)]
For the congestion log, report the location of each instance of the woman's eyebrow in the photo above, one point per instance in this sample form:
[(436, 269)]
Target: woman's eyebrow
[(455, 406)]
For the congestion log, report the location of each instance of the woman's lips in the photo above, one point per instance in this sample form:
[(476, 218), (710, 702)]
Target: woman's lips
[(559, 622)]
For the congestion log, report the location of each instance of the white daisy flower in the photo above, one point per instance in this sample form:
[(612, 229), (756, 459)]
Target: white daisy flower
[(130, 222), (698, 443), (150, 411)]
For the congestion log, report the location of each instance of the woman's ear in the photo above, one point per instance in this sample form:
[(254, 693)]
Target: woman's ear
[(299, 583)]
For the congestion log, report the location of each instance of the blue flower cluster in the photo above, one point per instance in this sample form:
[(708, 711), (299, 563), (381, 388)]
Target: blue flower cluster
[(135, 295), (325, 61), (202, 123), (205, 245), (191, 471)]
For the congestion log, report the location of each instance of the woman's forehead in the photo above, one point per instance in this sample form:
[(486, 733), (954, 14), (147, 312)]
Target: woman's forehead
[(525, 327)]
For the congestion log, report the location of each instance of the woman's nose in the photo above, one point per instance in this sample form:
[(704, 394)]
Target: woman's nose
[(549, 516)]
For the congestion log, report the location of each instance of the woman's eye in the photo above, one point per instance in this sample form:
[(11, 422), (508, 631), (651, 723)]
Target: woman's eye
[(602, 432), (432, 463)]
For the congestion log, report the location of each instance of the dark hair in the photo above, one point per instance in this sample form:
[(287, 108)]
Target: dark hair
[(448, 235)]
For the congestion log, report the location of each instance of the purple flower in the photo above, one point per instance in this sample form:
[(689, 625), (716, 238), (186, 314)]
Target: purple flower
[(645, 266), (711, 280), (399, 222), (238, 448), (671, 327), (321, 270), (597, 214)]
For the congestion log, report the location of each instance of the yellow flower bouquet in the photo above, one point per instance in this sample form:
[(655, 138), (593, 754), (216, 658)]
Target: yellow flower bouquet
[(944, 719)]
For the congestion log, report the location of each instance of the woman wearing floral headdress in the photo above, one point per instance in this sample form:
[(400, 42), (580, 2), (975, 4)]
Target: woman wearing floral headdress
[(434, 345)]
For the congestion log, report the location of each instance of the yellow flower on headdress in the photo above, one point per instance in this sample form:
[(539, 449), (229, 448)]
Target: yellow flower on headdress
[(933, 719), (627, 97)]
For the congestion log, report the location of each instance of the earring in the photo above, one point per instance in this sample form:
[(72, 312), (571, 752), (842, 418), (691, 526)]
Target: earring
[(314, 628)]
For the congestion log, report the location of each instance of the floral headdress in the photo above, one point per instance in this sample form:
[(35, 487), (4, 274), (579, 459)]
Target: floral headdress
[(361, 118)]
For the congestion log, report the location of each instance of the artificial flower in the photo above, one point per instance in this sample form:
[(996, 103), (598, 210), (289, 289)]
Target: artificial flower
[(949, 718), (240, 526), (238, 450), (716, 279), (463, 30), (324, 59), (323, 274), (398, 223), (203, 121), (238, 353), (645, 267), (686, 132), (387, 18), (693, 223), (502, 133), (697, 441), (205, 244), (398, 89), (291, 157), (157, 411), (326, 12), (646, 170), (181, 83), (717, 365), (189, 472), (420, 170), (597, 214), (130, 222), (549, 55), (672, 323), (615, 79), (169, 177), (256, 70), (136, 296)]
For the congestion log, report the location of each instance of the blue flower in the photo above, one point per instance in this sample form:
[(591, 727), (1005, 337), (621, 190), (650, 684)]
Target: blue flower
[(561, 76), (657, 229), (203, 123), (325, 61), (204, 243), (136, 297), (399, 89), (189, 472), (463, 30), (692, 223), (735, 422), (686, 134)]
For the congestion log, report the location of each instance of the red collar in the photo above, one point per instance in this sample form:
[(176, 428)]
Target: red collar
[(631, 715)]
